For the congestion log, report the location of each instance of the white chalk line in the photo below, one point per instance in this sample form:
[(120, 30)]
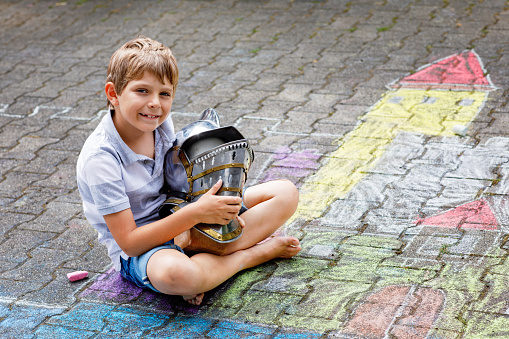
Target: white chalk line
[(61, 113)]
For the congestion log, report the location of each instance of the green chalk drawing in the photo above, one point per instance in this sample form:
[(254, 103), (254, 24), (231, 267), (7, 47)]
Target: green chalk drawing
[(482, 326), (265, 307)]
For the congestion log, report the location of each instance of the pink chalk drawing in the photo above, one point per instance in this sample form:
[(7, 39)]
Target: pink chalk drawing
[(462, 71), (396, 311), (473, 215)]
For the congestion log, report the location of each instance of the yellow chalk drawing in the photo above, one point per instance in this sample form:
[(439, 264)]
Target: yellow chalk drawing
[(431, 111)]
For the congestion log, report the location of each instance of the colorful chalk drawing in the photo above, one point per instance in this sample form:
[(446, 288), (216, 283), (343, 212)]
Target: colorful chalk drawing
[(416, 201), (431, 293), (438, 96)]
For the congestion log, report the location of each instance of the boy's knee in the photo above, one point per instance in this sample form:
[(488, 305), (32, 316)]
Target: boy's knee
[(176, 276), (289, 193), (290, 188)]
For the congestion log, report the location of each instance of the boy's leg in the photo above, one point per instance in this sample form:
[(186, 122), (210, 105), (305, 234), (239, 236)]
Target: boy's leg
[(174, 273), (270, 205)]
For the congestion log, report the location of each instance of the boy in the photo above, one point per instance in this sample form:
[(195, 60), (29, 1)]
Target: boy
[(120, 174)]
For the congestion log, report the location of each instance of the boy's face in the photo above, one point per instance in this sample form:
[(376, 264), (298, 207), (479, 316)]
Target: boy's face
[(143, 105)]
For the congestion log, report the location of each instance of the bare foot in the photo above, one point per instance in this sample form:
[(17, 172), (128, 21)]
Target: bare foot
[(194, 299), (277, 247)]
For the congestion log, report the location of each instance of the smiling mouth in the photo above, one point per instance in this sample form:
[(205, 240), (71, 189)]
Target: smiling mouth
[(150, 116)]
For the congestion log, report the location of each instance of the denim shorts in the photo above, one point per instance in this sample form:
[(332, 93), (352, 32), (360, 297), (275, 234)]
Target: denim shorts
[(134, 269)]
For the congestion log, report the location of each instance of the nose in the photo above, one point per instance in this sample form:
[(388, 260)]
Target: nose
[(154, 102)]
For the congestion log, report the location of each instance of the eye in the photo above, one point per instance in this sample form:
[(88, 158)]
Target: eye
[(141, 90), (166, 94)]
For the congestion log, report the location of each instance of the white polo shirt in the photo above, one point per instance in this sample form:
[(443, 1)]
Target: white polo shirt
[(111, 178)]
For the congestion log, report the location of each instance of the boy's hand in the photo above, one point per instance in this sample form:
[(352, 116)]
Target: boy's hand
[(216, 209)]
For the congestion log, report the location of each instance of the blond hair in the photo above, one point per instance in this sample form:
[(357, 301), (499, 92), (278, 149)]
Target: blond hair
[(137, 56)]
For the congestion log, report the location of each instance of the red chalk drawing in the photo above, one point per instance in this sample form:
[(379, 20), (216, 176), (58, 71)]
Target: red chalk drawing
[(397, 311), (473, 215), (462, 71)]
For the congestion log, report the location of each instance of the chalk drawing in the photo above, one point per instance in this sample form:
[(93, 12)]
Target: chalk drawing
[(55, 112), (437, 97), (293, 166), (474, 215), (396, 311), (389, 142)]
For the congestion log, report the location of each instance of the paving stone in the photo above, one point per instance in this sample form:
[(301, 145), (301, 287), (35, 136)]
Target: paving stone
[(334, 302), (402, 203), (458, 191), (51, 219), (39, 266), (111, 286), (9, 221), (71, 240), (119, 322), (19, 242), (11, 290), (33, 200), (495, 300), (96, 259), (60, 291), (85, 316), (274, 141), (267, 311), (292, 277), (21, 320), (15, 183), (229, 329), (323, 243), (486, 325), (44, 162), (232, 296), (9, 135), (377, 224), (430, 242), (298, 122), (182, 327), (50, 331), (63, 177), (473, 167)]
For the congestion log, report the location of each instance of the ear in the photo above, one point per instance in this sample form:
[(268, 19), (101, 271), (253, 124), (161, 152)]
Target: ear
[(111, 94)]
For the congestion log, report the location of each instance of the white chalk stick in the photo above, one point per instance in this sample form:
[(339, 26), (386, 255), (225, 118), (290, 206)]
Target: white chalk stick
[(460, 130), (78, 275)]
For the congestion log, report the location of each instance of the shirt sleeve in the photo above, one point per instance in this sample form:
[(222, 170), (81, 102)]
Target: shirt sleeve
[(103, 176)]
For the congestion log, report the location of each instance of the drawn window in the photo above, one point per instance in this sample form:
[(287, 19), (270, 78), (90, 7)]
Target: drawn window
[(466, 102), (429, 100), (395, 100)]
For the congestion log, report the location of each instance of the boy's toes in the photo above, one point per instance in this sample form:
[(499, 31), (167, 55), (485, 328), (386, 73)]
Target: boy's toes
[(294, 242), (194, 299)]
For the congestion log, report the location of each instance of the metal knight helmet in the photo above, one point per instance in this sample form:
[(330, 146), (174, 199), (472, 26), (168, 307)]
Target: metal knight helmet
[(203, 153)]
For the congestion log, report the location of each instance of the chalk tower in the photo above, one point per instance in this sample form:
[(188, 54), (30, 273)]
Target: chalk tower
[(448, 92)]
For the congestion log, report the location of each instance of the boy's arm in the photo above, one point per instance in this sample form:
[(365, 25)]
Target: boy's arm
[(134, 241)]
